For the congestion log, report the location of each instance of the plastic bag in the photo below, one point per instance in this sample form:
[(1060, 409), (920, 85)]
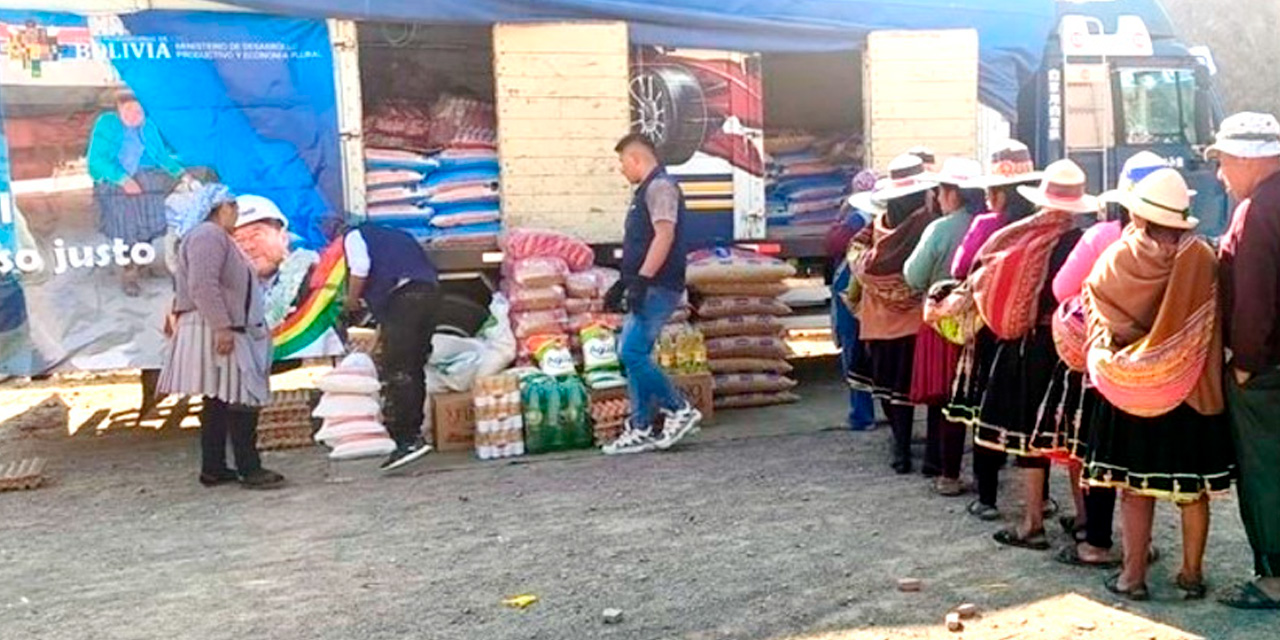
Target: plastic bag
[(599, 349), (499, 339), (533, 299), (553, 355), (536, 271), (455, 362), (532, 323)]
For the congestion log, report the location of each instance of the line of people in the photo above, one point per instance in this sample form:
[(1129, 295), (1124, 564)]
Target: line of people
[(1090, 331)]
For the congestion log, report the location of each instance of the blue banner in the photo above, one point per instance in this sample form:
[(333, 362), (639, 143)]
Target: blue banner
[(108, 122)]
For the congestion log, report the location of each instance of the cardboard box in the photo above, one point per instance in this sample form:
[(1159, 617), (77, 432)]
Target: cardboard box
[(453, 422)]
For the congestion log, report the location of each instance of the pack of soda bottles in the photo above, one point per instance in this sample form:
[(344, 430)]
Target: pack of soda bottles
[(556, 413)]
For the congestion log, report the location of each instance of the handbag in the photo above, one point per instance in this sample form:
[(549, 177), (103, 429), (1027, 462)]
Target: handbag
[(950, 309)]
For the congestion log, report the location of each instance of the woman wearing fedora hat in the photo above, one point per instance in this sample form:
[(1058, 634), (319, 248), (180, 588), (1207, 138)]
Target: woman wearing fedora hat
[(960, 196), (1063, 426), (891, 313), (1155, 356), (1013, 292)]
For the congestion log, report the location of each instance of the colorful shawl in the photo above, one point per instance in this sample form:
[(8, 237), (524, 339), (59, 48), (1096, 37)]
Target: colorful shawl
[(1011, 272), (949, 308), (319, 312), (1153, 326), (1070, 336), (888, 308)]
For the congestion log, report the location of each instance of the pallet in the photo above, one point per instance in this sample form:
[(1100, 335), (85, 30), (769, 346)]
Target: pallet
[(22, 475)]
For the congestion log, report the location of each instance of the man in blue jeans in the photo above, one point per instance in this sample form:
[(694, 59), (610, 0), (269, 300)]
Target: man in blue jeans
[(651, 289)]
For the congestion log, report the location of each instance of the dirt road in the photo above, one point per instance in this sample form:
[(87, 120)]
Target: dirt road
[(767, 526)]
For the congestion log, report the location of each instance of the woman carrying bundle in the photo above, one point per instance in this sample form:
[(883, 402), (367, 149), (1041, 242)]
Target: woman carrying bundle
[(1009, 167), (959, 198), (1067, 412), (1013, 292), (889, 311), (1155, 356)]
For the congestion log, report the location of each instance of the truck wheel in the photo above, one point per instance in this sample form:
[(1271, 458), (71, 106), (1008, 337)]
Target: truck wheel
[(668, 106)]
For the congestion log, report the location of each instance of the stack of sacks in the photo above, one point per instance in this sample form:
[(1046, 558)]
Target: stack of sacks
[(448, 194), (738, 317), (585, 302), (537, 266), (808, 179), (350, 410)]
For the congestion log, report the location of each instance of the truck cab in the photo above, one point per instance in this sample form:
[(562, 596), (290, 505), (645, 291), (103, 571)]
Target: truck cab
[(1116, 80)]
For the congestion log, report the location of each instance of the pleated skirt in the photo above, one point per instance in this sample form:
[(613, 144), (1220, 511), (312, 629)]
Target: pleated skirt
[(192, 368)]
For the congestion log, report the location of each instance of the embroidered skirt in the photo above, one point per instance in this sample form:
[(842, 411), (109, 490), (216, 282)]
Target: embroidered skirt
[(885, 372), (1179, 456), (1062, 423), (1020, 375), (973, 371)]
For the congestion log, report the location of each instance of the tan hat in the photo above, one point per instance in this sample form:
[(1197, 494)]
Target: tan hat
[(1247, 135), (962, 173), (1011, 164), (1062, 188), (1162, 198)]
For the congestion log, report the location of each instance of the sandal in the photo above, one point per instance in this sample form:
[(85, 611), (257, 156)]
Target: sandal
[(1191, 590), (1036, 541), (1137, 593), (1070, 555), (1249, 596), (983, 512)]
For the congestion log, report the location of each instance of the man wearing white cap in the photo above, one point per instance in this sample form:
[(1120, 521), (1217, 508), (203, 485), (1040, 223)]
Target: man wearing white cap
[(262, 232), (1248, 152)]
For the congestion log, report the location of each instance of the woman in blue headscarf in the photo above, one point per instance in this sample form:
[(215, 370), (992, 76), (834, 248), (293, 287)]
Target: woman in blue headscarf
[(219, 341)]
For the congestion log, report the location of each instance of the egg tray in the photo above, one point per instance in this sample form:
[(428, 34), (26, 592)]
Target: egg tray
[(22, 475)]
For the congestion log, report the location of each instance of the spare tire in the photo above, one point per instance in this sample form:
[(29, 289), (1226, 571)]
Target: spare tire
[(668, 106)]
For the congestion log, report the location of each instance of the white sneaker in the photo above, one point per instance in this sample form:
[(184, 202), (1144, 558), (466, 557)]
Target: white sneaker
[(681, 423), (631, 441)]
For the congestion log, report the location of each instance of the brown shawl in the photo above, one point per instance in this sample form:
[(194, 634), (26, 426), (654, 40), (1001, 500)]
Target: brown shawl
[(889, 309), (1152, 312)]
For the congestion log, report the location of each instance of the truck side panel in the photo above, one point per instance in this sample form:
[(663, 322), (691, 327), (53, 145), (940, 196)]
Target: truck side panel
[(562, 105)]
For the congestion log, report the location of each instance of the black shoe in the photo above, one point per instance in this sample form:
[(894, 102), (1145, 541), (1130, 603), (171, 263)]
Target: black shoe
[(262, 479), (226, 476), (902, 467), (405, 455)]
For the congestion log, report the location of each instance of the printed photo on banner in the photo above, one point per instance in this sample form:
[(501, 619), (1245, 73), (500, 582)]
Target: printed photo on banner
[(108, 123)]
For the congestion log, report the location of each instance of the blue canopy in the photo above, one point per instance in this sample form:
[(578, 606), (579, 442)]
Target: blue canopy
[(1012, 33)]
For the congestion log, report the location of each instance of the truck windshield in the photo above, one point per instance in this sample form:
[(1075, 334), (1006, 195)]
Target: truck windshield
[(1159, 106)]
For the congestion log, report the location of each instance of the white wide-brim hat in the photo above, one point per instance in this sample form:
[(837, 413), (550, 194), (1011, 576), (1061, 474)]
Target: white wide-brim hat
[(1162, 198), (1247, 135), (1010, 164), (1062, 188), (866, 201), (907, 176), (962, 173)]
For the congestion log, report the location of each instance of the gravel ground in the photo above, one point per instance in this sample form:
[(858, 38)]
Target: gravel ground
[(766, 526)]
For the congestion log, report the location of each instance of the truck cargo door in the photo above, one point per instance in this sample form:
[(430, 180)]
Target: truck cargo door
[(921, 88), (562, 104), (346, 81)]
